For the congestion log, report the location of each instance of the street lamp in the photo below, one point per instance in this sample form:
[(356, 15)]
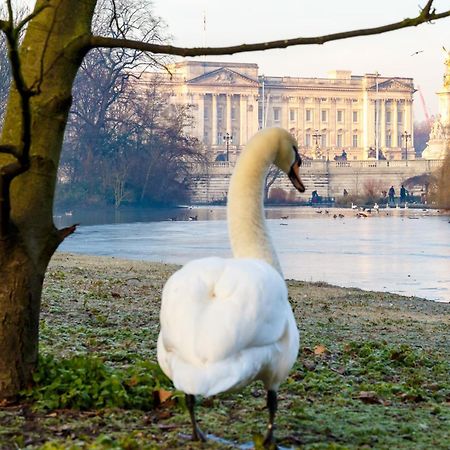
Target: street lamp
[(227, 139), (406, 136), (316, 137)]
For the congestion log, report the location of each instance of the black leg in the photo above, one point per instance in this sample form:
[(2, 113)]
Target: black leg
[(197, 434), (269, 440)]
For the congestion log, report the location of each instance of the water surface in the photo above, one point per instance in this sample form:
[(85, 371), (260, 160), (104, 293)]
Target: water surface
[(406, 251)]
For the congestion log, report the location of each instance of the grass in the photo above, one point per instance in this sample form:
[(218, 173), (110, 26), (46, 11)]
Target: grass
[(372, 372)]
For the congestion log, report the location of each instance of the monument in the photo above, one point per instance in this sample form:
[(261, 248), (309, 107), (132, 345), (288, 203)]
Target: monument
[(438, 144)]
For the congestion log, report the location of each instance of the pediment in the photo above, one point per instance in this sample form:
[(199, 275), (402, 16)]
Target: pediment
[(224, 76), (392, 85)]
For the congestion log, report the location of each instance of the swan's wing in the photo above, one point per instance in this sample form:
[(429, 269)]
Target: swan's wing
[(214, 308)]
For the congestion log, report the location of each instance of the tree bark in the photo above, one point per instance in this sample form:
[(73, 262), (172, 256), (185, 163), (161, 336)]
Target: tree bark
[(50, 56)]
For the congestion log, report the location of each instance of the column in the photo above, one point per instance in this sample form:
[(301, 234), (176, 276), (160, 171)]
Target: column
[(409, 122), (332, 121), (201, 117), (228, 114), (394, 120), (365, 120), (382, 120), (213, 119), (242, 119), (348, 123)]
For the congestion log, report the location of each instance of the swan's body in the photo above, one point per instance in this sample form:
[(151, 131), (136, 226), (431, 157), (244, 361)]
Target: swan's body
[(227, 322)]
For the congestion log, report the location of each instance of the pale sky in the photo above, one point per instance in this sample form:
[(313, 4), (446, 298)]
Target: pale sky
[(230, 22), (247, 21)]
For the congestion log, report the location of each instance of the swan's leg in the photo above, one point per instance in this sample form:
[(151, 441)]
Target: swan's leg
[(269, 441), (197, 434)]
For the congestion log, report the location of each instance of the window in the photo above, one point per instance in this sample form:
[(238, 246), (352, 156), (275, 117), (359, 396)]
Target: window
[(308, 115), (324, 115), (308, 139), (400, 116), (292, 115), (276, 114), (388, 117), (340, 115), (388, 140), (355, 140), (206, 113), (339, 140), (355, 116), (323, 140), (219, 112)]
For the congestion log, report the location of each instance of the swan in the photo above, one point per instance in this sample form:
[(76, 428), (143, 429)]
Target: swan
[(227, 322)]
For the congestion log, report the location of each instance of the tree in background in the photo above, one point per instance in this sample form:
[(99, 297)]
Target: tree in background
[(421, 136), (57, 39)]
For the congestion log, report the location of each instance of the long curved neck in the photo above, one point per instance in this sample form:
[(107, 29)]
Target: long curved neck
[(249, 236)]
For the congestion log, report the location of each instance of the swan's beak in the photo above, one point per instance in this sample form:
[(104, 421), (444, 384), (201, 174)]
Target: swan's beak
[(294, 174)]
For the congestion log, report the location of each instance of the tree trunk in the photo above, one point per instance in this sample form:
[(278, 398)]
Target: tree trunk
[(50, 55), (20, 293)]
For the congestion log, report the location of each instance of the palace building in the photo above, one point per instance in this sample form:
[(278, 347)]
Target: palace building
[(358, 117)]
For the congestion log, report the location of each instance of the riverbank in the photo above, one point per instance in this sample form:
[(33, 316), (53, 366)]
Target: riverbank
[(372, 372)]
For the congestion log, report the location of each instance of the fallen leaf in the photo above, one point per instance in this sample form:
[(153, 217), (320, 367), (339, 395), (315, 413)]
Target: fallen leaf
[(320, 350), (369, 397), (164, 395)]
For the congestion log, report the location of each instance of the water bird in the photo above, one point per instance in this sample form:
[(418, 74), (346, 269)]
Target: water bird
[(284, 217), (354, 206), (376, 207), (228, 322), (416, 53), (193, 217), (341, 216)]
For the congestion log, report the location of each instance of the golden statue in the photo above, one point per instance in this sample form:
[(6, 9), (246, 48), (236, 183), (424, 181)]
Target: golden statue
[(447, 72)]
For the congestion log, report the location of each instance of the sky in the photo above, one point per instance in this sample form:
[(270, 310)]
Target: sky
[(247, 21), (393, 54)]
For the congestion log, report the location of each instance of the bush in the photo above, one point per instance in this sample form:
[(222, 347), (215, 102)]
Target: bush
[(85, 382)]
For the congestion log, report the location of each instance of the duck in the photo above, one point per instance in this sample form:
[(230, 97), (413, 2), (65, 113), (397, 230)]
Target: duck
[(226, 322)]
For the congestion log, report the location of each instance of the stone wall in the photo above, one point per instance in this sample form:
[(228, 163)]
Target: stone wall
[(329, 179)]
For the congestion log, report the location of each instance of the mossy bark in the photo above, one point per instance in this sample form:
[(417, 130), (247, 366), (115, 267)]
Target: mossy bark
[(50, 56)]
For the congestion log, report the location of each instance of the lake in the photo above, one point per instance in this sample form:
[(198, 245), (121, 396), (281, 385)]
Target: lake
[(396, 250)]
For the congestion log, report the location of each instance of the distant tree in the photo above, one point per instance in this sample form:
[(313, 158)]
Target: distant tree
[(421, 136), (58, 37)]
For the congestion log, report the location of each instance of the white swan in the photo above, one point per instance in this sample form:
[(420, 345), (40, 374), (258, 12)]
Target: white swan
[(227, 322)]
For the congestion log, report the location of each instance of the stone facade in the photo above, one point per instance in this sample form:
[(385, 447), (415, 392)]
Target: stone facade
[(437, 146), (365, 116), (328, 178)]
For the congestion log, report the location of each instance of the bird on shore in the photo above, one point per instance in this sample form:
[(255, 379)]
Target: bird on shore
[(228, 322), (193, 218)]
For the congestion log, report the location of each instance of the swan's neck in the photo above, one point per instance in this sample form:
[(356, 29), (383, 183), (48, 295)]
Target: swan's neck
[(249, 236)]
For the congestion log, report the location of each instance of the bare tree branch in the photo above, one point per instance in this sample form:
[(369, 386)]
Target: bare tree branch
[(427, 14)]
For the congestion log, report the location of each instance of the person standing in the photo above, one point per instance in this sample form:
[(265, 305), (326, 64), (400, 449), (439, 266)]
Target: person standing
[(402, 194), (391, 195)]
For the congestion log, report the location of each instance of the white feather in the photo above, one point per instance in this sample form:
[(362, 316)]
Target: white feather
[(227, 322)]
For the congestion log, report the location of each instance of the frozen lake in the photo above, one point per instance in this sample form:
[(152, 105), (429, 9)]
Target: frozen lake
[(401, 251)]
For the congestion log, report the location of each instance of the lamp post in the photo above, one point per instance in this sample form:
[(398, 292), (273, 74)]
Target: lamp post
[(316, 137), (406, 136), (227, 139)]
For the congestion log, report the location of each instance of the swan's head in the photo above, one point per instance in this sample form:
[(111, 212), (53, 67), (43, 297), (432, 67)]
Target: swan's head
[(288, 159)]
